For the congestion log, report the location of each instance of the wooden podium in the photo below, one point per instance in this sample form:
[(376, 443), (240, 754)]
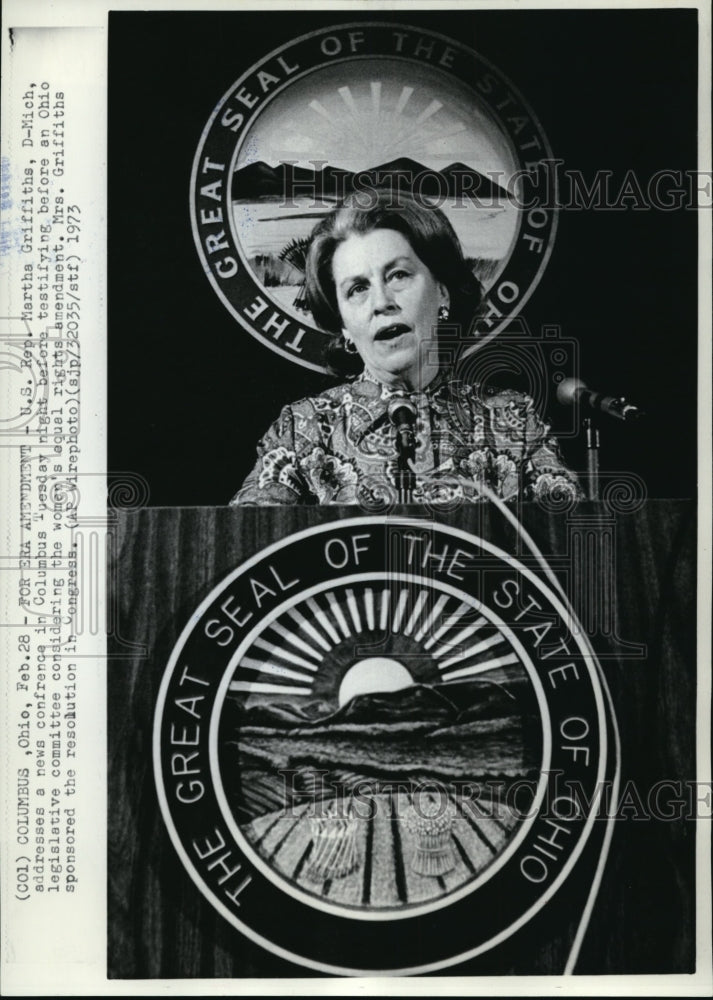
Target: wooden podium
[(629, 575)]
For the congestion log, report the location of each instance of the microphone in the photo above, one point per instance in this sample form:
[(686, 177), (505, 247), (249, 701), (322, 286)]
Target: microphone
[(402, 414), (572, 390)]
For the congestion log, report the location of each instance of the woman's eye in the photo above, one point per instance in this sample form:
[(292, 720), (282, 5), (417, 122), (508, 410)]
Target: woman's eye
[(356, 289), (398, 275)]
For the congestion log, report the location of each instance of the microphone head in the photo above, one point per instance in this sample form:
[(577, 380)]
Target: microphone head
[(402, 411), (568, 390)]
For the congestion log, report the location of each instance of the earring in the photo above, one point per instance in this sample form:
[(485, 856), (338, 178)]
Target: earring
[(443, 313), (349, 346)]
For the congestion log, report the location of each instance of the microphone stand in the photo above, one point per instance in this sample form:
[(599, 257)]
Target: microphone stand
[(405, 452), (592, 435)]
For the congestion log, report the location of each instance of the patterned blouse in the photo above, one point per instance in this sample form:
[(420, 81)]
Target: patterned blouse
[(340, 448)]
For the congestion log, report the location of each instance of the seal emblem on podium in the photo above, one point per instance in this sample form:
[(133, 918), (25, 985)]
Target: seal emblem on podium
[(382, 746)]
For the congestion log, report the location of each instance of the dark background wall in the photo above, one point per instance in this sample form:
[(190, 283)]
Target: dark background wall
[(190, 391)]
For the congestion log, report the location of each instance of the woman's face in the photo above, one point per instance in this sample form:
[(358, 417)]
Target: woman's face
[(388, 301)]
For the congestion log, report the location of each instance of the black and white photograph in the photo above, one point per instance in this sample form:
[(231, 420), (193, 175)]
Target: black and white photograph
[(364, 481)]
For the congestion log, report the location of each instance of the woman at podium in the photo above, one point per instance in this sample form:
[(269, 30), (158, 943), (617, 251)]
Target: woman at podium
[(385, 280)]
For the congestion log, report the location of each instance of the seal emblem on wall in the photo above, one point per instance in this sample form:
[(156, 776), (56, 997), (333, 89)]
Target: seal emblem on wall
[(347, 110), (380, 745)]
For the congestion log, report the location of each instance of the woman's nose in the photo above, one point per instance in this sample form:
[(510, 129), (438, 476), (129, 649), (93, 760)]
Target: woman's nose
[(382, 299)]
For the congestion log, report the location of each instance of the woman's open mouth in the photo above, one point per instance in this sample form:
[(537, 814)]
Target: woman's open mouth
[(393, 331)]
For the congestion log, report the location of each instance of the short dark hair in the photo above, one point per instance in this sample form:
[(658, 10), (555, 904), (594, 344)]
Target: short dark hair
[(429, 233)]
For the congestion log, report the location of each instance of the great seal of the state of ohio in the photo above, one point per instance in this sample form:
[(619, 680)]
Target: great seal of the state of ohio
[(350, 109), (370, 771)]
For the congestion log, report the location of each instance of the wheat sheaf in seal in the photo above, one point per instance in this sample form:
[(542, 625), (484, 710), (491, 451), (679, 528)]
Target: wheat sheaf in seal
[(347, 110), (379, 746)]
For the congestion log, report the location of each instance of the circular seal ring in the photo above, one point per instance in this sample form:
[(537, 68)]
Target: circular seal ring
[(251, 218), (275, 870)]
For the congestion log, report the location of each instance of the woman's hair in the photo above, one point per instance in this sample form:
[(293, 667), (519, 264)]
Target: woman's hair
[(429, 233)]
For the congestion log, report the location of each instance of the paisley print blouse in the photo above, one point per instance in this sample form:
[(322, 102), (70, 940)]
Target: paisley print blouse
[(339, 448)]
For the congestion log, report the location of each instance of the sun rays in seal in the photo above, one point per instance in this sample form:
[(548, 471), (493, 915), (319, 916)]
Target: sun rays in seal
[(364, 638)]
